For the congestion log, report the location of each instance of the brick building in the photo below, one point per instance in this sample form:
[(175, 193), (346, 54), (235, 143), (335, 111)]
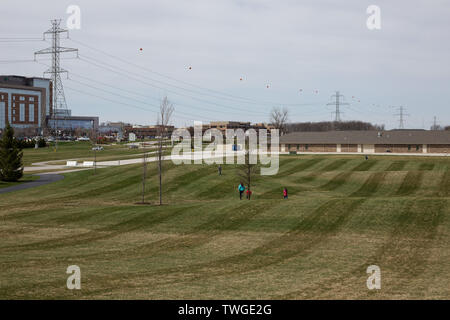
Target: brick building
[(25, 102), (393, 141)]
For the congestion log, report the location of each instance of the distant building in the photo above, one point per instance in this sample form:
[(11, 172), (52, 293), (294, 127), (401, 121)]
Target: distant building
[(25, 102), (146, 132), (112, 128), (393, 141), (224, 125), (73, 123)]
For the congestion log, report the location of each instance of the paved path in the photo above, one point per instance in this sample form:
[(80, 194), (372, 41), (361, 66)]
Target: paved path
[(43, 180)]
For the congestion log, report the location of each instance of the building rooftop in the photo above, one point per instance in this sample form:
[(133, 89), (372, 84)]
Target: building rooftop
[(19, 80), (368, 137)]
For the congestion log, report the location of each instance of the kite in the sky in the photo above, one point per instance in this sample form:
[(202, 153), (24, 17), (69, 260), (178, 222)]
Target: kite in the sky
[(190, 68), (267, 86)]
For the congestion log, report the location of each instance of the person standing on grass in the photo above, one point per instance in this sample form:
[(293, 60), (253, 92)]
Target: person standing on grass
[(241, 189), (285, 193), (220, 170), (249, 194)]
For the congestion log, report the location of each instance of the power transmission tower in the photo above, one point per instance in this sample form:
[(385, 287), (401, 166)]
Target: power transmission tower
[(59, 100), (401, 114), (337, 103), (435, 124)]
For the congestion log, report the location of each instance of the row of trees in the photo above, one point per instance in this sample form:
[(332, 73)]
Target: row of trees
[(333, 126)]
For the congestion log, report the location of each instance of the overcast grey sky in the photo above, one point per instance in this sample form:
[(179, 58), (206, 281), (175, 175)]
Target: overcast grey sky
[(310, 45)]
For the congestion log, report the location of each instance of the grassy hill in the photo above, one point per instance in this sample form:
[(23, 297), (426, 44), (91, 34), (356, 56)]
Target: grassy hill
[(343, 214)]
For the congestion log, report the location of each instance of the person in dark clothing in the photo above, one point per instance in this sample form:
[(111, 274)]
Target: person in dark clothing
[(220, 170), (241, 189)]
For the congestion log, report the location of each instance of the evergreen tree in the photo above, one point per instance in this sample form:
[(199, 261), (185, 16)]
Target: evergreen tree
[(11, 168)]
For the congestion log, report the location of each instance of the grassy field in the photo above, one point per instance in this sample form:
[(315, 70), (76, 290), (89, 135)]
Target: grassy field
[(78, 150), (343, 214)]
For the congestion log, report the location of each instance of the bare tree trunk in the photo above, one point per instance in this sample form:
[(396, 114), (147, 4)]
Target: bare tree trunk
[(160, 171), (144, 176), (165, 112)]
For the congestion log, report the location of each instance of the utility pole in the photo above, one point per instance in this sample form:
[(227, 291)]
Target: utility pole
[(401, 114), (58, 98), (337, 103)]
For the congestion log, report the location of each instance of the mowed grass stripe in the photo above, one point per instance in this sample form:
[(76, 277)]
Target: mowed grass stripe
[(444, 185), (405, 255), (397, 165), (315, 228), (402, 257), (229, 220), (319, 226), (365, 166), (138, 221), (300, 166), (410, 184), (337, 181), (371, 185), (336, 164), (426, 166)]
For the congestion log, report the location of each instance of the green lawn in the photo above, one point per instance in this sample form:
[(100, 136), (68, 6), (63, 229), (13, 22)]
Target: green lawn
[(79, 150), (343, 214)]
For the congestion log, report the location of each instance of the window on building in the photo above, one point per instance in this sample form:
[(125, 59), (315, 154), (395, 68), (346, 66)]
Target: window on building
[(22, 112), (31, 98), (31, 113), (22, 98), (298, 147), (409, 147), (417, 147), (306, 147)]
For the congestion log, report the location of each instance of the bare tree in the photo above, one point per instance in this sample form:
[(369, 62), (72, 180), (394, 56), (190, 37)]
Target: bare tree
[(165, 113), (144, 173), (247, 170), (279, 118)]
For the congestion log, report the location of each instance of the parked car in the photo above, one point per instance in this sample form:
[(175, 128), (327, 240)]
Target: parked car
[(97, 148), (83, 139)]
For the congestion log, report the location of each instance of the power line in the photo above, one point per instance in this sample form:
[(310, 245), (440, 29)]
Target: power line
[(131, 92), (126, 74), (223, 94)]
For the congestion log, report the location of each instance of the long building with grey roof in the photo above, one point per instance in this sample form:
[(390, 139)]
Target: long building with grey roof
[(393, 141)]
